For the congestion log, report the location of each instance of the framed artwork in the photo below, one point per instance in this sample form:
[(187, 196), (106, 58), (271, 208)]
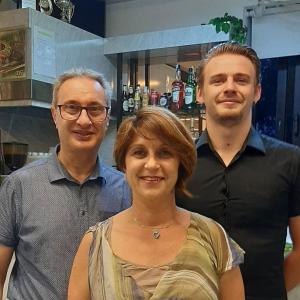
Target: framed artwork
[(12, 54)]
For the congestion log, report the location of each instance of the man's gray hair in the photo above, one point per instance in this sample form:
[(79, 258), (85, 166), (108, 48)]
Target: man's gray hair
[(81, 72)]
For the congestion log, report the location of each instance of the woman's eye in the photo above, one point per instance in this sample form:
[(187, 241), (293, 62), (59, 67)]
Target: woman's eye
[(138, 153), (165, 154)]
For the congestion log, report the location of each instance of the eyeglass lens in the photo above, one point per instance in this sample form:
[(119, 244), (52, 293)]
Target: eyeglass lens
[(96, 113)]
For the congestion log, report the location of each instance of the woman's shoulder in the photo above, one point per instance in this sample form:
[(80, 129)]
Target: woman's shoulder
[(203, 220), (215, 236), (206, 226), (97, 234), (99, 227)]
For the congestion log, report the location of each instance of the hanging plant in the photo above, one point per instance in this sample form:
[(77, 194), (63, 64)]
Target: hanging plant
[(232, 25)]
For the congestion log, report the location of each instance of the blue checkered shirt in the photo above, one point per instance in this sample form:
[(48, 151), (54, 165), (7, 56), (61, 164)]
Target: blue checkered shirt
[(44, 213)]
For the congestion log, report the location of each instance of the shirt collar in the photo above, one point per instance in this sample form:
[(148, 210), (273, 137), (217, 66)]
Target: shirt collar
[(203, 139), (253, 140), (58, 172)]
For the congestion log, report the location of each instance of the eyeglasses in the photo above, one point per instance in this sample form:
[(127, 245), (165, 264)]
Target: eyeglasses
[(72, 112)]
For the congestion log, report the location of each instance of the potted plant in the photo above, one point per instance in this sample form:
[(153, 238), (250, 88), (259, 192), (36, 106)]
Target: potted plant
[(232, 25)]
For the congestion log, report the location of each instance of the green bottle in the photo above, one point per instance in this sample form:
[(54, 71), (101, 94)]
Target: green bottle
[(190, 93)]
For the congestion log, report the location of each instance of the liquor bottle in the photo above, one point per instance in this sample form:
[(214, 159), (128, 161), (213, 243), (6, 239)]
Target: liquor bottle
[(145, 97), (137, 98), (169, 96), (163, 100), (130, 100), (125, 101), (177, 91), (154, 97), (190, 93)]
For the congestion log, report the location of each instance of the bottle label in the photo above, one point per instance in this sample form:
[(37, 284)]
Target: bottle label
[(175, 94), (137, 104), (145, 101), (163, 101), (130, 102), (188, 95), (125, 106)]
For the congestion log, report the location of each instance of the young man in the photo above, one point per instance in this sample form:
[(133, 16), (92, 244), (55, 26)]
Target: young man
[(250, 183), (46, 207)]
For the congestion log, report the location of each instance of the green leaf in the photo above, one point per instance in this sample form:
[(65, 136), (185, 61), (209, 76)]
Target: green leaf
[(218, 27), (233, 25), (225, 27), (214, 21)]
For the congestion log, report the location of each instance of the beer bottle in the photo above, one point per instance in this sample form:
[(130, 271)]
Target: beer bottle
[(125, 101), (190, 93), (137, 98), (145, 97), (177, 91), (130, 100)]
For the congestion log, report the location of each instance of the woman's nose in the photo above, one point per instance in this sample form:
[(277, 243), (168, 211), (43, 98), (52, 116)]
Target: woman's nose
[(152, 162)]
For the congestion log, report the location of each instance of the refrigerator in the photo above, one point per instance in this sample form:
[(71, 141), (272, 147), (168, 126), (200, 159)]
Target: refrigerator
[(277, 114)]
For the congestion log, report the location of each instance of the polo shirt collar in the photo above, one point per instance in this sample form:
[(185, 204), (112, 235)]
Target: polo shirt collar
[(57, 171), (253, 140)]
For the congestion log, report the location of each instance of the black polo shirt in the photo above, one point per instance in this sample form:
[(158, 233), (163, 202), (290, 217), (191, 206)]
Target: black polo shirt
[(253, 199)]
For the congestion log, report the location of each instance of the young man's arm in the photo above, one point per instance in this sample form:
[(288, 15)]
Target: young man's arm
[(5, 258), (292, 261)]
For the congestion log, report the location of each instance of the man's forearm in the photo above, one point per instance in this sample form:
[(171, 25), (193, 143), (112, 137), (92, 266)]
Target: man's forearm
[(292, 270)]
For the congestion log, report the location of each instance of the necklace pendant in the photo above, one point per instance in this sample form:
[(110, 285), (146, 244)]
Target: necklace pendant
[(156, 234)]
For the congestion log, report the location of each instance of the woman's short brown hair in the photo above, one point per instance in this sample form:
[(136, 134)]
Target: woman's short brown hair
[(164, 125)]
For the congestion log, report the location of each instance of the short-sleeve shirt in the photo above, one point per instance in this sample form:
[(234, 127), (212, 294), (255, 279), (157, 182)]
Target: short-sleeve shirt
[(194, 273), (44, 213), (253, 199)]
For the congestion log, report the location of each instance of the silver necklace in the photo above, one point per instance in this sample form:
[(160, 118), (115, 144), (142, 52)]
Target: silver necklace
[(155, 229)]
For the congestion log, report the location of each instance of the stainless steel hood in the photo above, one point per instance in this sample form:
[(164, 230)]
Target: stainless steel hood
[(35, 49), (26, 92)]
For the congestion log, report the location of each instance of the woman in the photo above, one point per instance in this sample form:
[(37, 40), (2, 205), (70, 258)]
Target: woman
[(155, 250)]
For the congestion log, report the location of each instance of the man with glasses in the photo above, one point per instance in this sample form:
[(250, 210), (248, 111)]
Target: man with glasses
[(46, 207)]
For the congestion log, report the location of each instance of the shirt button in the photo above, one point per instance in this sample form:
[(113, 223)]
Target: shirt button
[(82, 213)]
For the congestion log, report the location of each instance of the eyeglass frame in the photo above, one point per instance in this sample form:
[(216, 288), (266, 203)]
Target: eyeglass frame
[(107, 109)]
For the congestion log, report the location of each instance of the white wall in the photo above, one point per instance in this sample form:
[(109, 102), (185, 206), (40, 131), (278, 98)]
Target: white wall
[(273, 35), (152, 15), (277, 35)]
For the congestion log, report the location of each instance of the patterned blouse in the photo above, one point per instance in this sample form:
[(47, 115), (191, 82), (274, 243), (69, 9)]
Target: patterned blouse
[(194, 273)]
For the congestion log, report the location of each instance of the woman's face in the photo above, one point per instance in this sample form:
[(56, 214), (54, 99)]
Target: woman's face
[(151, 168)]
